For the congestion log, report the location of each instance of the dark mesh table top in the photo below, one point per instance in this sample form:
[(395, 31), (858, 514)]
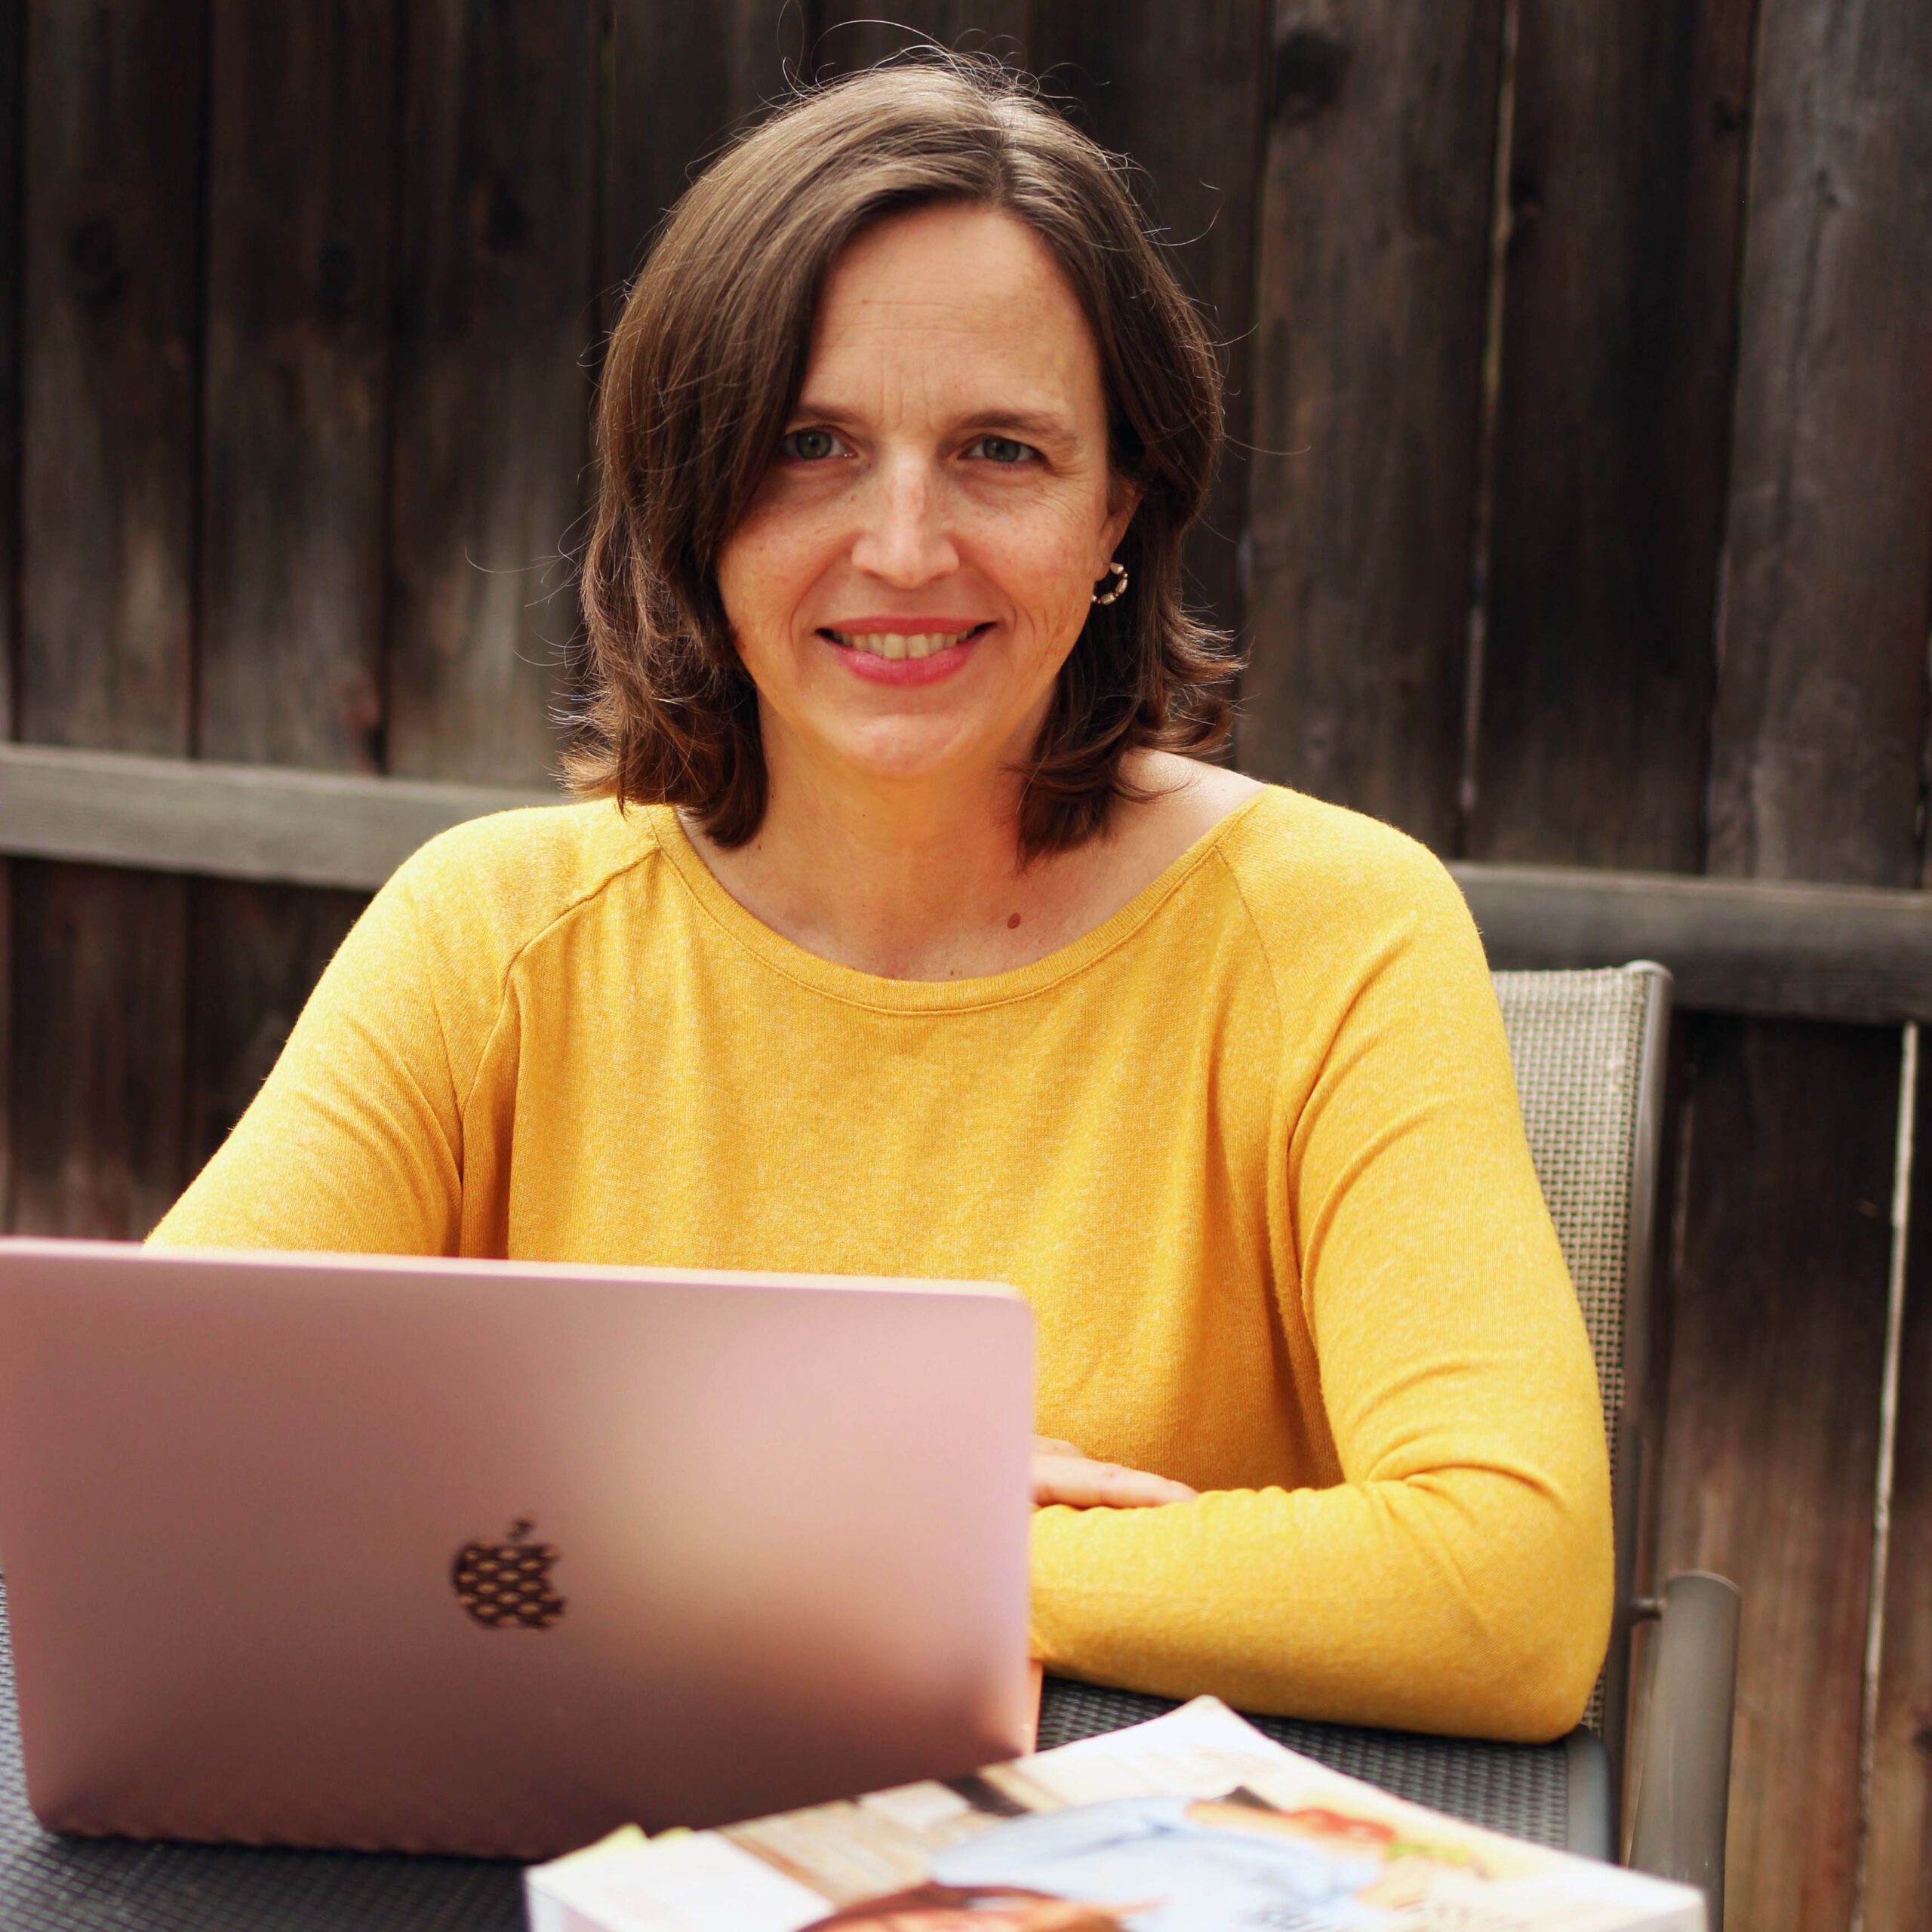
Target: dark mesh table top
[(53, 1884), (1520, 1789)]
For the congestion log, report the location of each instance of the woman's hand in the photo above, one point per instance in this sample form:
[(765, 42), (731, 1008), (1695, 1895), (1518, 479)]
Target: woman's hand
[(1062, 1474)]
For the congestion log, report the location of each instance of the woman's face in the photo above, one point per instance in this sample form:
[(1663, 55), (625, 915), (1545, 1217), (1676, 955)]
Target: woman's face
[(917, 564)]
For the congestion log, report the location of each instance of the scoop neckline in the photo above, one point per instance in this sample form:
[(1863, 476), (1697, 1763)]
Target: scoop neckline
[(855, 987)]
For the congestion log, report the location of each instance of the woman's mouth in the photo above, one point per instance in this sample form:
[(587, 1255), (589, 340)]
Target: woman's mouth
[(902, 644)]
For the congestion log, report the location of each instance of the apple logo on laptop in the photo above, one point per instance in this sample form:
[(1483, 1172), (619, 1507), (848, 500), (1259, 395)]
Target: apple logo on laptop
[(506, 1586)]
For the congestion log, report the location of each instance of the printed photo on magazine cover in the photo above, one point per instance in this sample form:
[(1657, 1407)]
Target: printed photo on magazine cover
[(1157, 1864)]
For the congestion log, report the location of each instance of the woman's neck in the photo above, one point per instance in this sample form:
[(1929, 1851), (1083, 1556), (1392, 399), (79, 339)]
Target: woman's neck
[(911, 882), (929, 886)]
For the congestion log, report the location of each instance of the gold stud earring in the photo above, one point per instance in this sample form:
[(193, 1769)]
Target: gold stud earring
[(1115, 590)]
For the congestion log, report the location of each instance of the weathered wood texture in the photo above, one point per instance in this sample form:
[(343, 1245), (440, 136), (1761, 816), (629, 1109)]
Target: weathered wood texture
[(496, 311), (682, 78), (1898, 1840), (295, 394), (293, 478), (1770, 1441), (1818, 738), (1606, 465), (1625, 177), (1838, 952), (854, 33), (258, 951), (111, 350), (1182, 91), (1370, 302), (1820, 711), (100, 998), (268, 822), (1820, 952), (1599, 684), (109, 299)]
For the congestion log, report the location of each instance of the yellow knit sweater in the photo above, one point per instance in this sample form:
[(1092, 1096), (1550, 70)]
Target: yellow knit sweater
[(1250, 1149)]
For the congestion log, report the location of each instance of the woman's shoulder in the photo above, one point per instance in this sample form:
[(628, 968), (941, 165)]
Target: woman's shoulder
[(1323, 884), (1294, 853), (501, 880)]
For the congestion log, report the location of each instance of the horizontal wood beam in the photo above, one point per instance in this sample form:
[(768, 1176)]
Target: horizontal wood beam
[(1733, 945), (1807, 952), (263, 821)]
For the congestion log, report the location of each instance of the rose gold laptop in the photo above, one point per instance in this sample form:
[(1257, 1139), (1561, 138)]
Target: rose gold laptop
[(488, 1557)]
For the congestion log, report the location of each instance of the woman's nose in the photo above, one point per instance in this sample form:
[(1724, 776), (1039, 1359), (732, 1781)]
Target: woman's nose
[(903, 537)]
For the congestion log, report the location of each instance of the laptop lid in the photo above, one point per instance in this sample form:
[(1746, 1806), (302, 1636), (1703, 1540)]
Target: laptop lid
[(493, 1557)]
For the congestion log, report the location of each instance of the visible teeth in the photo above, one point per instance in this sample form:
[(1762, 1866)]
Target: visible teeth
[(898, 643)]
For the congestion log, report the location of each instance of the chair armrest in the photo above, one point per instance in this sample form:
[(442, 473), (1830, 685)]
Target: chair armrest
[(1683, 1772)]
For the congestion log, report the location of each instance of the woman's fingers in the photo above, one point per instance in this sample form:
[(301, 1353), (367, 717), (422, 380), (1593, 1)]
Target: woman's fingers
[(1062, 1474)]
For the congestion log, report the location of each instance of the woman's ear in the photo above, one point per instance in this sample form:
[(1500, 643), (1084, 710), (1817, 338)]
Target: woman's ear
[(1123, 499)]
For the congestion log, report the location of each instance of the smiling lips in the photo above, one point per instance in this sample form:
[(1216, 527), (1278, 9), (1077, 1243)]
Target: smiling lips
[(908, 643)]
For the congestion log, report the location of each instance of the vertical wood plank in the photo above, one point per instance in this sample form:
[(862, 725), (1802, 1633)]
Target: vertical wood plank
[(682, 78), (1819, 724), (855, 33), (496, 311), (109, 284), (1821, 709), (1611, 444), (258, 951), (1778, 1333), (301, 170), (1370, 302), (1898, 1878), (101, 991), (1181, 92), (1625, 175), (114, 94)]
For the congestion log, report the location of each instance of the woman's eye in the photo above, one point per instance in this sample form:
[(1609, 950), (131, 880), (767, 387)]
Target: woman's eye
[(809, 445), (1004, 449)]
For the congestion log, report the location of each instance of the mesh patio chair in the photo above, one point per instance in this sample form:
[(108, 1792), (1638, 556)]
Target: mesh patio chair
[(1588, 1050)]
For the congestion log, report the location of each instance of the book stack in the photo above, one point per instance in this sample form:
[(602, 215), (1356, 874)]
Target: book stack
[(1193, 1822)]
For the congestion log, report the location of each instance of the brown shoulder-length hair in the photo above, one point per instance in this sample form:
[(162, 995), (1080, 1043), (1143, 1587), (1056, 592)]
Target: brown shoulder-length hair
[(705, 366)]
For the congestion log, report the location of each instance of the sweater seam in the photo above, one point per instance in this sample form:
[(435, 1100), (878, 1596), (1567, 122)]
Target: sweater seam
[(442, 1030), (1260, 940), (567, 911), (1274, 1101)]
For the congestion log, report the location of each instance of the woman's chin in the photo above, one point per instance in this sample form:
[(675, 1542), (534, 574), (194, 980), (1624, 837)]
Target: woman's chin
[(938, 751)]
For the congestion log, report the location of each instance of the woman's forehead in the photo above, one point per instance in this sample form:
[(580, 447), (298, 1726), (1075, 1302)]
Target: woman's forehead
[(963, 307)]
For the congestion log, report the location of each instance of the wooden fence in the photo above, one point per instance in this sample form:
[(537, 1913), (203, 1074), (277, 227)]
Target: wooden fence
[(1580, 358)]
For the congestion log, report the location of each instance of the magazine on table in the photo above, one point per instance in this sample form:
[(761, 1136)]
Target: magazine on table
[(1192, 1823)]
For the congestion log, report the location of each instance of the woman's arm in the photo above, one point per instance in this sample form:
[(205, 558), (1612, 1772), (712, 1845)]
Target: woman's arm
[(355, 1142), (1458, 1579)]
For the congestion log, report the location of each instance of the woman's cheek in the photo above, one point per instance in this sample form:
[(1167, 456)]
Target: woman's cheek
[(765, 572)]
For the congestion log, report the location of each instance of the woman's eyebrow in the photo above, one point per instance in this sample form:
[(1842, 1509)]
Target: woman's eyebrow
[(1028, 425)]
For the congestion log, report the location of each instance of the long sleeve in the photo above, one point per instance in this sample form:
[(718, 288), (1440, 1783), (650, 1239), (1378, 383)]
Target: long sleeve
[(355, 1142), (1458, 1577), (1250, 1149)]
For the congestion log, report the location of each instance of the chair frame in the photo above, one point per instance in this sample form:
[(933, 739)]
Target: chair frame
[(1679, 1794)]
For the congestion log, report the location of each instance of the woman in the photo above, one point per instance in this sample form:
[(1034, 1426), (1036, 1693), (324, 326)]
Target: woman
[(897, 936)]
